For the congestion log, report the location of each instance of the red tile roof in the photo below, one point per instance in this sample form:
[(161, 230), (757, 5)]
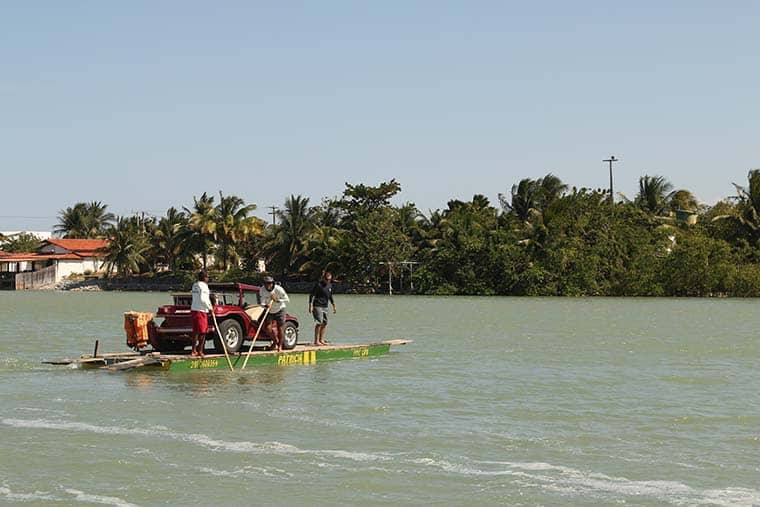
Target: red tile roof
[(33, 256), (82, 247), (77, 250)]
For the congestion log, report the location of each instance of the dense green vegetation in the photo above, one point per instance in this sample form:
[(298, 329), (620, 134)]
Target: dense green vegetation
[(20, 243), (543, 238)]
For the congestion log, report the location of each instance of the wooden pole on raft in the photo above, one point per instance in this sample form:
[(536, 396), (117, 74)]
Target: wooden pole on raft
[(221, 338), (95, 352), (250, 349)]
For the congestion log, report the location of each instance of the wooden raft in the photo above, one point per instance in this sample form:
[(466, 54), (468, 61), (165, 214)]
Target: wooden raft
[(300, 355)]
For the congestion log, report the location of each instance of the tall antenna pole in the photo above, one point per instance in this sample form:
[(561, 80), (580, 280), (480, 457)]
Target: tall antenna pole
[(610, 161), (273, 213)]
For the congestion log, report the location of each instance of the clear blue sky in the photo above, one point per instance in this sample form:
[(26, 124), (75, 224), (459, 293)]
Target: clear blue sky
[(143, 104)]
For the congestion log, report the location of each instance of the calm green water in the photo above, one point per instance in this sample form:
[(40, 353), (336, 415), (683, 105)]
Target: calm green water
[(498, 401)]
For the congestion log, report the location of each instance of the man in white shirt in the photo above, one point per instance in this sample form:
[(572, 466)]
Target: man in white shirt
[(199, 309), (274, 295)]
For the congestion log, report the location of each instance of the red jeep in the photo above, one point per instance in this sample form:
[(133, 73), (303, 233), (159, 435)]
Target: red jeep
[(237, 310)]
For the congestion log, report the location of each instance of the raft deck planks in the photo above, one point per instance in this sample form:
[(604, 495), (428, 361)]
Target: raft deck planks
[(301, 354)]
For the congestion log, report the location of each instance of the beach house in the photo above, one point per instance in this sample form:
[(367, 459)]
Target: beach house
[(55, 260)]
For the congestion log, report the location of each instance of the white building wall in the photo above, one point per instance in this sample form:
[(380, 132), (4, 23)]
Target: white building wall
[(69, 267)]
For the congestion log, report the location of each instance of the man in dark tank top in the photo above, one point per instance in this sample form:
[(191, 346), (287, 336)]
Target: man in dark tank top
[(319, 298)]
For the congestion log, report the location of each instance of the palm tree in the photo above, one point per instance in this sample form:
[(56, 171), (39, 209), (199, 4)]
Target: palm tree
[(72, 221), (654, 193), (529, 196), (201, 226), (167, 240), (471, 217), (551, 188), (84, 220), (749, 196), (287, 238), (410, 221), (435, 229), (524, 199), (323, 245), (748, 207), (98, 218), (126, 246), (234, 225)]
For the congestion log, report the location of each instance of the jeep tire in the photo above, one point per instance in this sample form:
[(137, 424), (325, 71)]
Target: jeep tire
[(290, 331), (233, 336)]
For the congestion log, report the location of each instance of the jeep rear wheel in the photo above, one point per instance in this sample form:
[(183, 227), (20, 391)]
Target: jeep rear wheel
[(232, 334), (290, 331)]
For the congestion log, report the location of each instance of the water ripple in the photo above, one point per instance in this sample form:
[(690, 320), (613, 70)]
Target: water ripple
[(564, 480)]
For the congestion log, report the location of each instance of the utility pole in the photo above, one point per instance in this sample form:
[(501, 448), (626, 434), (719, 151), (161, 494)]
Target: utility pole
[(273, 213), (390, 276), (410, 265), (403, 265), (610, 161)]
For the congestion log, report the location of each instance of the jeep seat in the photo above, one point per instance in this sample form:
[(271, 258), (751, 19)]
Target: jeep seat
[(254, 311)]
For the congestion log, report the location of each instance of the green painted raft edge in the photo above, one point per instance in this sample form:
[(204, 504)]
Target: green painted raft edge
[(301, 355)]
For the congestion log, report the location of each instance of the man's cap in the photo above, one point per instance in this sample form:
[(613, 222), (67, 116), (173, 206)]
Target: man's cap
[(268, 279)]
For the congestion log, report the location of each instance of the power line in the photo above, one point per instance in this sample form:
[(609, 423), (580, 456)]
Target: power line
[(26, 217)]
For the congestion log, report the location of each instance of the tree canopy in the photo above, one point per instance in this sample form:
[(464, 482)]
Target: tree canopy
[(542, 238)]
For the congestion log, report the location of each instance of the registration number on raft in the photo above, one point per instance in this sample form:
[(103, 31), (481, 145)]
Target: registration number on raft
[(204, 363)]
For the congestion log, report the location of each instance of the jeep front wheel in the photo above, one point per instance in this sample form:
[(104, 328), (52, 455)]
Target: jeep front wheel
[(290, 331), (232, 334)]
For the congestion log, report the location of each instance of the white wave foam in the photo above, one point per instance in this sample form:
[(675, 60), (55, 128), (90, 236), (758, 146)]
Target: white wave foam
[(354, 456), (561, 479), (25, 497), (459, 468), (275, 448), (81, 496), (247, 472), (74, 426), (570, 481), (193, 438)]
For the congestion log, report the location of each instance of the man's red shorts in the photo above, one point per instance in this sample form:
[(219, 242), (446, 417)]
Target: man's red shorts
[(200, 322)]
